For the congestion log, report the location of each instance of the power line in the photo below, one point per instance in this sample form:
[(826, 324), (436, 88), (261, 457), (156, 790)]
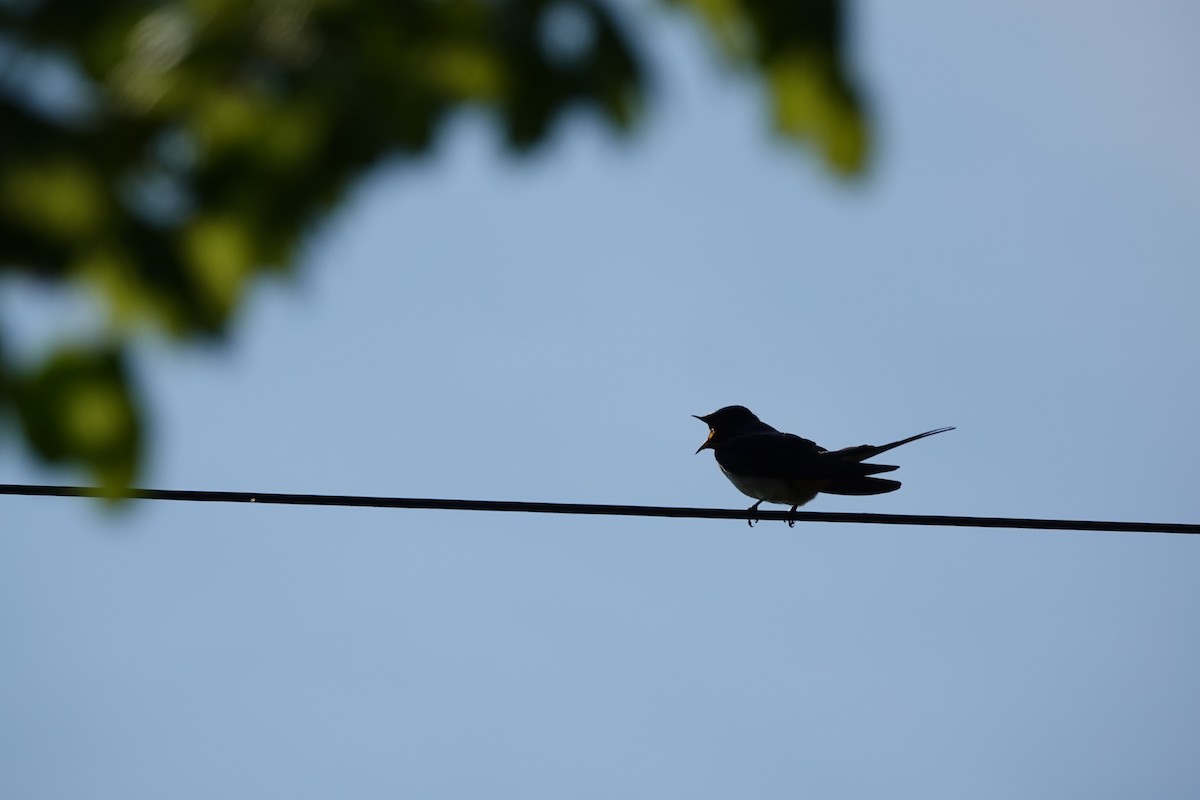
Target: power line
[(273, 498)]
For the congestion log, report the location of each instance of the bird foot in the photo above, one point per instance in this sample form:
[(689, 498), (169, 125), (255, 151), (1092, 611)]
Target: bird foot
[(750, 520), (791, 519)]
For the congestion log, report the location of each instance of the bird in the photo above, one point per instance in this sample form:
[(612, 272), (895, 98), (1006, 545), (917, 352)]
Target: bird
[(776, 467)]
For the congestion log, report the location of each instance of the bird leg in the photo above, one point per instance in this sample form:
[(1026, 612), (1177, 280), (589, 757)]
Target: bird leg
[(791, 521), (751, 520)]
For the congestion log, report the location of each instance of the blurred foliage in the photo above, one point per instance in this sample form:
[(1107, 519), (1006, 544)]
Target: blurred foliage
[(162, 153), (78, 407), (799, 49)]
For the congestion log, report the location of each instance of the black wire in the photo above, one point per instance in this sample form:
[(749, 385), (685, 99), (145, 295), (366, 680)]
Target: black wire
[(271, 498)]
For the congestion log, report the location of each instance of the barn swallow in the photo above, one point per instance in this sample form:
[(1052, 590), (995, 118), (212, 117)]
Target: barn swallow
[(776, 467)]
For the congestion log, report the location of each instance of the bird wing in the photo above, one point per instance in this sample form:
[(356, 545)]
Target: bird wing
[(864, 451), (787, 457)]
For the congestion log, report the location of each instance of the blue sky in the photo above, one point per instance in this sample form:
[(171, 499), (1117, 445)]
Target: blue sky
[(1021, 263)]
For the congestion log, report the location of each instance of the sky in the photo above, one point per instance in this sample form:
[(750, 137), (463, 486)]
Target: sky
[(1020, 263)]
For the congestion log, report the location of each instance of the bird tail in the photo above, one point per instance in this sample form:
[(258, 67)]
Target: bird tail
[(862, 486), (864, 451)]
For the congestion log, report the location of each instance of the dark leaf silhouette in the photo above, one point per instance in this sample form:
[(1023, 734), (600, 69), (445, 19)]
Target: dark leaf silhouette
[(165, 153)]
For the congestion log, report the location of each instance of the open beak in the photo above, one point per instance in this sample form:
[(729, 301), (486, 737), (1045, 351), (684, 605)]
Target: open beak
[(707, 442)]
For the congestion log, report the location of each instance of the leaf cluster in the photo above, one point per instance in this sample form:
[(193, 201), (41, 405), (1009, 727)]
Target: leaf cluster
[(162, 154)]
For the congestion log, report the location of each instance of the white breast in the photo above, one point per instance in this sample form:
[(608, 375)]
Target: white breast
[(774, 490)]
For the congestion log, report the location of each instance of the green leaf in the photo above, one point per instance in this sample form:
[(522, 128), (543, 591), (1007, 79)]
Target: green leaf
[(78, 408), (205, 138)]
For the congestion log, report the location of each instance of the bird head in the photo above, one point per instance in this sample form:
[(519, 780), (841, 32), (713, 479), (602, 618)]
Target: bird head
[(730, 421)]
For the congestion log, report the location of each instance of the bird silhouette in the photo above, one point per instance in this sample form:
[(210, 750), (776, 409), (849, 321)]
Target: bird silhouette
[(776, 467)]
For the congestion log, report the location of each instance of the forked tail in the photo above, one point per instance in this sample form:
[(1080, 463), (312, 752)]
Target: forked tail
[(862, 486), (864, 451)]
